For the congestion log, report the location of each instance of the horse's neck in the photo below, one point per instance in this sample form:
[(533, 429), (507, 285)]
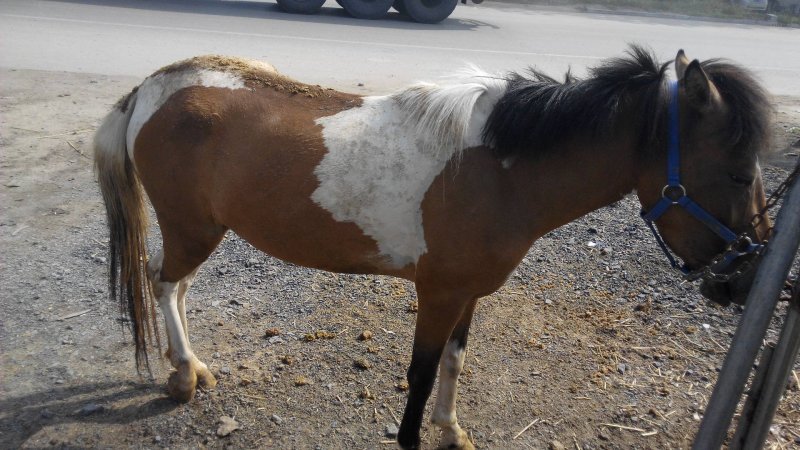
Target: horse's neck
[(577, 179)]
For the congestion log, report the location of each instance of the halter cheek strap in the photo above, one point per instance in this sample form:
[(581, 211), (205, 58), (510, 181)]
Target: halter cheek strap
[(674, 194)]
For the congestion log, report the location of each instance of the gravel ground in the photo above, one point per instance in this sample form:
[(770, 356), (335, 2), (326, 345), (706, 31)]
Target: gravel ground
[(593, 345)]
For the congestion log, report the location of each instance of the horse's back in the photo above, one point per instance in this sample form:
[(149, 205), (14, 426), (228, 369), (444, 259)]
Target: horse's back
[(236, 145)]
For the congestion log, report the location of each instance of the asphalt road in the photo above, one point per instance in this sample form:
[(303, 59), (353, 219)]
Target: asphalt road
[(135, 37)]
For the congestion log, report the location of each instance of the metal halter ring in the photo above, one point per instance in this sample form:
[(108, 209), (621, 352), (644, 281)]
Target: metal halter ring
[(742, 244), (673, 193)]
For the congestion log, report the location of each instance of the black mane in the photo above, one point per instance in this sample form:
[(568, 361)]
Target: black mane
[(537, 112)]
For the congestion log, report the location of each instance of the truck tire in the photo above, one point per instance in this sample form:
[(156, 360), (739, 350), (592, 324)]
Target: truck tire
[(400, 6), (301, 6), (429, 11), (367, 9)]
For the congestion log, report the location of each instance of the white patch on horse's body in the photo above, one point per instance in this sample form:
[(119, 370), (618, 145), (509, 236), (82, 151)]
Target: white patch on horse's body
[(156, 90), (383, 156)]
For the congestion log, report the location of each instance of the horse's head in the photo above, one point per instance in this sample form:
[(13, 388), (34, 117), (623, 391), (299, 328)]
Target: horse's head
[(723, 124)]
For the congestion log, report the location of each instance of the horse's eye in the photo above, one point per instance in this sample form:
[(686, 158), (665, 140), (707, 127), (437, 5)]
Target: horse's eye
[(742, 181)]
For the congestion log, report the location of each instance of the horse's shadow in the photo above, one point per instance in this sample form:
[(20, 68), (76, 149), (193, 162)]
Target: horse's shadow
[(111, 402)]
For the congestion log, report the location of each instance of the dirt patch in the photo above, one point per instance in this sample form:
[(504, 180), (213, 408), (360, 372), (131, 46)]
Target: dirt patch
[(595, 346)]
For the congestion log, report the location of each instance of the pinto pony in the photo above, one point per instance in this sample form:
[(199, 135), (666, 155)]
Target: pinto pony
[(446, 186)]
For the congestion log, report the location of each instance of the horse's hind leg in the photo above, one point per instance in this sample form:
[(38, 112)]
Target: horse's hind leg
[(204, 377), (450, 366), (171, 273)]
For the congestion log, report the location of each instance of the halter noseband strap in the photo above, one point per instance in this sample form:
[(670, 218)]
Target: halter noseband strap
[(674, 194)]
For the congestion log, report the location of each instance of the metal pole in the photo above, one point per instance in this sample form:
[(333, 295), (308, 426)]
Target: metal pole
[(749, 410), (753, 325), (776, 376)]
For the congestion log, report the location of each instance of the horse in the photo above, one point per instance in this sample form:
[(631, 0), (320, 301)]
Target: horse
[(447, 185)]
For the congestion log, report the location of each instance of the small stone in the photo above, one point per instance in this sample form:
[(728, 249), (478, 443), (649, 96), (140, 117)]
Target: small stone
[(621, 368), (606, 251), (90, 408), (366, 394), (391, 430), (402, 386), (276, 340), (287, 359), (365, 335), (276, 419), (547, 301), (225, 370), (301, 381), (226, 426), (362, 364), (413, 306), (555, 445), (270, 332), (157, 439), (644, 307)]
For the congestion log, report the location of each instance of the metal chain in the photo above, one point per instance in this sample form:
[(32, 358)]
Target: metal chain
[(707, 273)]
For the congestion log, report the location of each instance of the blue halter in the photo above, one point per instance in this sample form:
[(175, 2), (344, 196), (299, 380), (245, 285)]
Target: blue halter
[(674, 194)]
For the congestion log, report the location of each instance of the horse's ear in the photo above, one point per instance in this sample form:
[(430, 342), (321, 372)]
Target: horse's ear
[(700, 91), (681, 61)]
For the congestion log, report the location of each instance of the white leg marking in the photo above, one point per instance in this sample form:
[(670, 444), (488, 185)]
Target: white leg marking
[(444, 413), (167, 294), (172, 306), (183, 288)]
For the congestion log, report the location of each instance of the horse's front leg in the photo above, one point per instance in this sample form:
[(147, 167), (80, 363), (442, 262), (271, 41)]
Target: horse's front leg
[(450, 366), (438, 314)]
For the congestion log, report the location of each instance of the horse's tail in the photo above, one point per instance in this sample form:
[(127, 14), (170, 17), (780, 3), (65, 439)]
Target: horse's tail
[(127, 224)]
